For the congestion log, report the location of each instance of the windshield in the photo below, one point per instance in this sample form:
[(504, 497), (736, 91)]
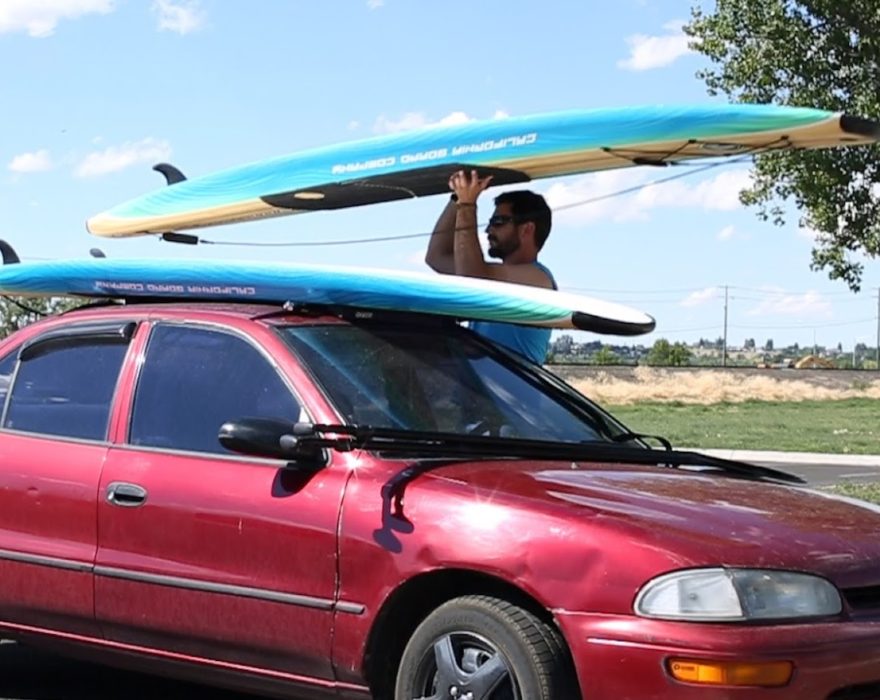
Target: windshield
[(435, 379)]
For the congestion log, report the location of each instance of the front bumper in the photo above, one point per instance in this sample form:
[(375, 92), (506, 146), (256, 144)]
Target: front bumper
[(625, 657)]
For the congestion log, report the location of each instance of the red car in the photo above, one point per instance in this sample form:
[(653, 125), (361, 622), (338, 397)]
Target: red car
[(320, 503)]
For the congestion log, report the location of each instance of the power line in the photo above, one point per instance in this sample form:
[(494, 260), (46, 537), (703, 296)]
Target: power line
[(806, 326)]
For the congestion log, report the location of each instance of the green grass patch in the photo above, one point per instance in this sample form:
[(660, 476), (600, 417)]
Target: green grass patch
[(849, 426), (866, 492)]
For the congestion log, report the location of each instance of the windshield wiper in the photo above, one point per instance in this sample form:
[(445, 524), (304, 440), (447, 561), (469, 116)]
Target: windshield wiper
[(313, 436)]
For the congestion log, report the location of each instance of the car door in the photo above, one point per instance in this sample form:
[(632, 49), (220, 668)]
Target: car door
[(204, 552), (53, 443)]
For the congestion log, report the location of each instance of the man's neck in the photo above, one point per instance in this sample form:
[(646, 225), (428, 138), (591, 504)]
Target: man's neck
[(520, 258)]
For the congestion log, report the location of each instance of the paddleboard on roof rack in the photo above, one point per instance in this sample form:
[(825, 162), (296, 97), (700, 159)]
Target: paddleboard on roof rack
[(335, 286), (515, 149)]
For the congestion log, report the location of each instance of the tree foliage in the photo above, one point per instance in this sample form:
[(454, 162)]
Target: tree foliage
[(813, 53), (17, 312), (666, 354), (605, 356)]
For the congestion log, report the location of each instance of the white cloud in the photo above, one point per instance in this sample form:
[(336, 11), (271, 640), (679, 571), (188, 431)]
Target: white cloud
[(781, 303), (647, 52), (698, 298), (599, 194), (719, 193), (40, 17), (182, 17), (116, 158), (375, 4), (417, 120), (590, 198), (36, 162), (415, 259), (353, 125), (726, 233), (810, 234)]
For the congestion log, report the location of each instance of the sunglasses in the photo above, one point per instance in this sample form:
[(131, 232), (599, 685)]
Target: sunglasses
[(499, 220)]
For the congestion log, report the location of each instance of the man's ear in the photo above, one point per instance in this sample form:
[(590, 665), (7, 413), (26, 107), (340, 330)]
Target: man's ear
[(528, 229)]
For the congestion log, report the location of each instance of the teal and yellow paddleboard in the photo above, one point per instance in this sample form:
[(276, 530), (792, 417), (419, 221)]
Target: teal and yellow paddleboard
[(516, 149), (459, 297)]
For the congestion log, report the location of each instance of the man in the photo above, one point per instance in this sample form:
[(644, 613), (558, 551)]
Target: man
[(516, 232)]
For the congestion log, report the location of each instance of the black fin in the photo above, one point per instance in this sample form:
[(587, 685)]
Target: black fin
[(172, 174), (97, 253), (8, 253)]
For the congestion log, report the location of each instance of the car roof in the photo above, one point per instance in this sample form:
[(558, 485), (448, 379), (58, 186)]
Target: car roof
[(194, 310), (266, 313)]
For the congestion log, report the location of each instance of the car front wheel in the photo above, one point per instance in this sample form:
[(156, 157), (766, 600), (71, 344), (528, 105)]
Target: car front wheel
[(484, 648)]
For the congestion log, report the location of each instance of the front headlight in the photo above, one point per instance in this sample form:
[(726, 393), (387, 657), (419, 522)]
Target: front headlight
[(721, 595)]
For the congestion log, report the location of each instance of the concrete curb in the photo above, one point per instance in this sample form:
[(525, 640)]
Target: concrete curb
[(795, 457)]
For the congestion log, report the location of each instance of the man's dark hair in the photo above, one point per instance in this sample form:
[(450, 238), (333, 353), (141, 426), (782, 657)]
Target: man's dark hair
[(526, 205)]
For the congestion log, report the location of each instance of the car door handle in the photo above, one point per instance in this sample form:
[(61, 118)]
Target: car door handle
[(126, 495)]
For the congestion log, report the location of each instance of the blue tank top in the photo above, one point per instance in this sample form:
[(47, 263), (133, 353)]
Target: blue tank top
[(529, 341)]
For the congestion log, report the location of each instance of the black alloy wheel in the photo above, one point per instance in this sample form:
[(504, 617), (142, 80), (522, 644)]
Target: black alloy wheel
[(484, 648)]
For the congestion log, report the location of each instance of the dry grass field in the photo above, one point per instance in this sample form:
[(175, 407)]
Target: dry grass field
[(622, 386)]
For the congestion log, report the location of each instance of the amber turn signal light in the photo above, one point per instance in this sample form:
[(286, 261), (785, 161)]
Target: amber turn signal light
[(764, 674)]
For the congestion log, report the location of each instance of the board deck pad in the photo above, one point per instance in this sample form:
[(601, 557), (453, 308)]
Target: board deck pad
[(385, 188), (514, 149), (388, 290)]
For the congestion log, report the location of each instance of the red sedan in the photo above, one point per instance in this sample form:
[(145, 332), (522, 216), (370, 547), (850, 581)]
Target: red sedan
[(344, 505)]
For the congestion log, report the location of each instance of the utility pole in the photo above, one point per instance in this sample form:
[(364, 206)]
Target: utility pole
[(724, 349)]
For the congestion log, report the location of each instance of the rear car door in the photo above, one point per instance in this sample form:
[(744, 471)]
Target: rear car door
[(53, 443), (203, 552)]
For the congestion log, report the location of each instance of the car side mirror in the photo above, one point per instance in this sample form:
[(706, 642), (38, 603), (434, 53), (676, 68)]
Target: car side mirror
[(272, 438)]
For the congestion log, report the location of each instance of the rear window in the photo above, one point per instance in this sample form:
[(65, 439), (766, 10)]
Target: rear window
[(66, 391)]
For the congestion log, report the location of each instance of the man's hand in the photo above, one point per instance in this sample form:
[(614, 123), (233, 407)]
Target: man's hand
[(468, 186)]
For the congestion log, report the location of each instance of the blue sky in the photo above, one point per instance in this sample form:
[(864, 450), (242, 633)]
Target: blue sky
[(94, 92)]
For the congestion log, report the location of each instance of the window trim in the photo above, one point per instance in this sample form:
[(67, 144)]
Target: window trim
[(68, 336)]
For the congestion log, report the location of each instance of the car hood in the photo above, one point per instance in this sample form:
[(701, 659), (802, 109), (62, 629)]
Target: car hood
[(697, 519)]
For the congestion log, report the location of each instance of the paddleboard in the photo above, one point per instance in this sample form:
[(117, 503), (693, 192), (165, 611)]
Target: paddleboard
[(374, 289), (515, 149)]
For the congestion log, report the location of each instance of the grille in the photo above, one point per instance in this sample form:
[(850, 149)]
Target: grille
[(867, 598)]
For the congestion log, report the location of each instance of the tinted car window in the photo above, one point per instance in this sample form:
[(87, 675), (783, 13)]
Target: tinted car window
[(66, 390), (432, 379), (194, 380)]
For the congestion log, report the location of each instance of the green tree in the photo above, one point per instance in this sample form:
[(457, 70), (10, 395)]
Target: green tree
[(605, 356), (17, 312), (816, 53), (660, 354), (679, 355), (665, 354)]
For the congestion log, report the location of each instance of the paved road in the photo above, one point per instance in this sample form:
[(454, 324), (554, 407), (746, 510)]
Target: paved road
[(29, 675), (829, 474)]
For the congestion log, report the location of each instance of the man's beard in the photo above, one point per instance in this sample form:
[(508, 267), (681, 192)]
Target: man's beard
[(497, 250)]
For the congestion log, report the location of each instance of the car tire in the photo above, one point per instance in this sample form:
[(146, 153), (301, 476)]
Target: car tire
[(484, 648)]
